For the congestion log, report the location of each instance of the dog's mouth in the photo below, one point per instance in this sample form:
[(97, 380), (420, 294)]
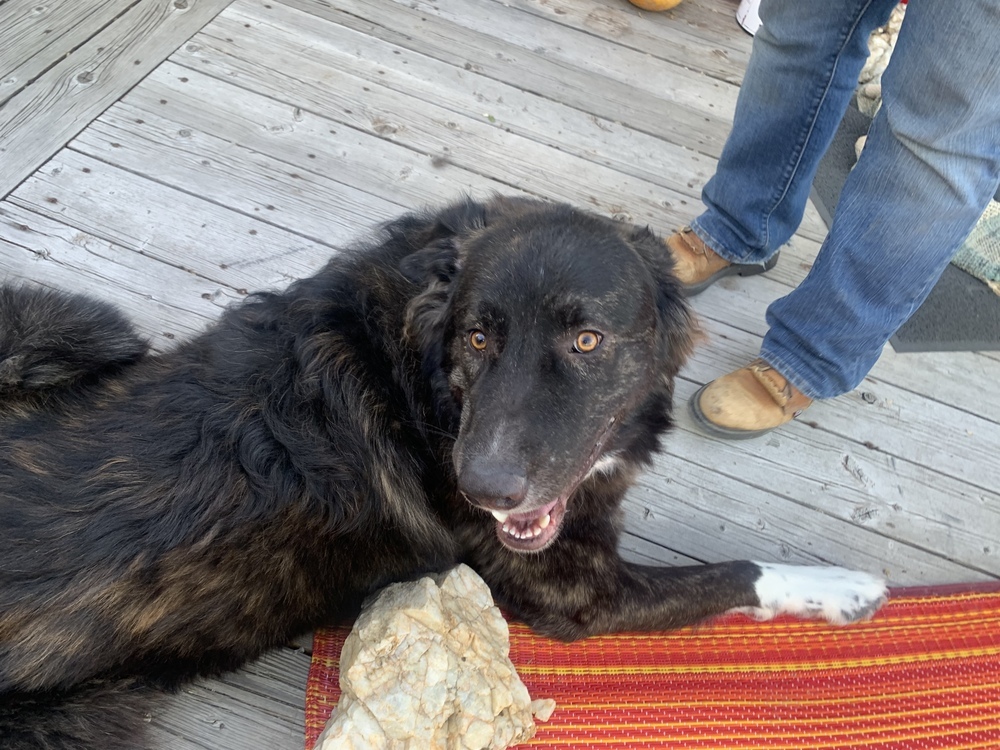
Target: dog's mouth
[(536, 529), (532, 531)]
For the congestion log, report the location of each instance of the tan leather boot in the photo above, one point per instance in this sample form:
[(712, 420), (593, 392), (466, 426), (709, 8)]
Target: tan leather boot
[(748, 402), (697, 266)]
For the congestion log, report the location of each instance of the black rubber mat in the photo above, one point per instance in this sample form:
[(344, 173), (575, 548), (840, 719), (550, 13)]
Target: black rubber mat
[(961, 313)]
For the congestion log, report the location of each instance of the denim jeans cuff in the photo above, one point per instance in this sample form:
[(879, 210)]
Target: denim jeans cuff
[(727, 249), (790, 373)]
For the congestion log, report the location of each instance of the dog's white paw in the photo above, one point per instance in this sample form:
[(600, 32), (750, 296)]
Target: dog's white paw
[(837, 595)]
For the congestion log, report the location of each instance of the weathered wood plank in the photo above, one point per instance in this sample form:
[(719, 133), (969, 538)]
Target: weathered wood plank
[(587, 52), (36, 36), (711, 20), (165, 302), (668, 36), (261, 706), (680, 170), (713, 516), (471, 143), (965, 380), (529, 69), (648, 552), (278, 140), (824, 476), (196, 235), (67, 95), (233, 175)]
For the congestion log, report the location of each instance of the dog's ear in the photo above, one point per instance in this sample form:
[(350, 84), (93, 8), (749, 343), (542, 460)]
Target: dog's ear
[(433, 267), (435, 262), (677, 326), (436, 241)]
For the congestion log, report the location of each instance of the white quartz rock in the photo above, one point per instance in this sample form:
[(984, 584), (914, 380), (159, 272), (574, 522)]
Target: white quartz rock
[(426, 667)]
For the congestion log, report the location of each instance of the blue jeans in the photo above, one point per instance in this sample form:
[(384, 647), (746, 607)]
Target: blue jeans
[(930, 167)]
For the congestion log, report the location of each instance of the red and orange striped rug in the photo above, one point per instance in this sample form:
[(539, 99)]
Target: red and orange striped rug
[(925, 673)]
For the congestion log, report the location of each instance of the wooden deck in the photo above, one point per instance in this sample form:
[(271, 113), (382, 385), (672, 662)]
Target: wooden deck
[(168, 158)]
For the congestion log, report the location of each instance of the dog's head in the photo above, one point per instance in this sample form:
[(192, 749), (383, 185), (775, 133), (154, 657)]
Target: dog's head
[(559, 334)]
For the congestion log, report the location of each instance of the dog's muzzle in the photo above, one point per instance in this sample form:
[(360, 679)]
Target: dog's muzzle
[(503, 490)]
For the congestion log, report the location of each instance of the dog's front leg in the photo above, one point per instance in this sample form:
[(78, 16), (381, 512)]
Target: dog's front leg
[(571, 596)]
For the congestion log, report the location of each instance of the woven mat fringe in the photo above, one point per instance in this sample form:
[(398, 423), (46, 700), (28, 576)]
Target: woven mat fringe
[(980, 253)]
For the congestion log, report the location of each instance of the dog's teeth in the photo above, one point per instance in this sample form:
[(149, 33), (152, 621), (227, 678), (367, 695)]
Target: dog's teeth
[(512, 529)]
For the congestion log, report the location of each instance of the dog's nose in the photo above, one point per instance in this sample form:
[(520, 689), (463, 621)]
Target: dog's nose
[(492, 485)]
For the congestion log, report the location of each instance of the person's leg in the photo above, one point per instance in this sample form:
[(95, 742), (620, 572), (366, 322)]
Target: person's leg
[(802, 73), (929, 168)]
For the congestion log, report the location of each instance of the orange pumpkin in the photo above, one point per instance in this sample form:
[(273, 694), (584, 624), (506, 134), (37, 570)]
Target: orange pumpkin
[(655, 4)]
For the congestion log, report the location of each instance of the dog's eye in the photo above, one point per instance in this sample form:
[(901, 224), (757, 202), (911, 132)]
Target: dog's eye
[(477, 340), (587, 341)]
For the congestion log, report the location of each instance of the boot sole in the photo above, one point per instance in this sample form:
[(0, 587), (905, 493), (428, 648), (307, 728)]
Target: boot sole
[(735, 269), (726, 433)]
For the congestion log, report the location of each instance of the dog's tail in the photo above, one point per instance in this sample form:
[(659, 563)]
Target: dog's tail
[(50, 340), (99, 715)]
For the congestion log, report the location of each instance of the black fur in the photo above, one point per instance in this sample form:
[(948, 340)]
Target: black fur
[(51, 340), (167, 516)]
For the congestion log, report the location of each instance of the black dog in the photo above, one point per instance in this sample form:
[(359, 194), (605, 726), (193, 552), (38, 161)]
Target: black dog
[(167, 516)]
